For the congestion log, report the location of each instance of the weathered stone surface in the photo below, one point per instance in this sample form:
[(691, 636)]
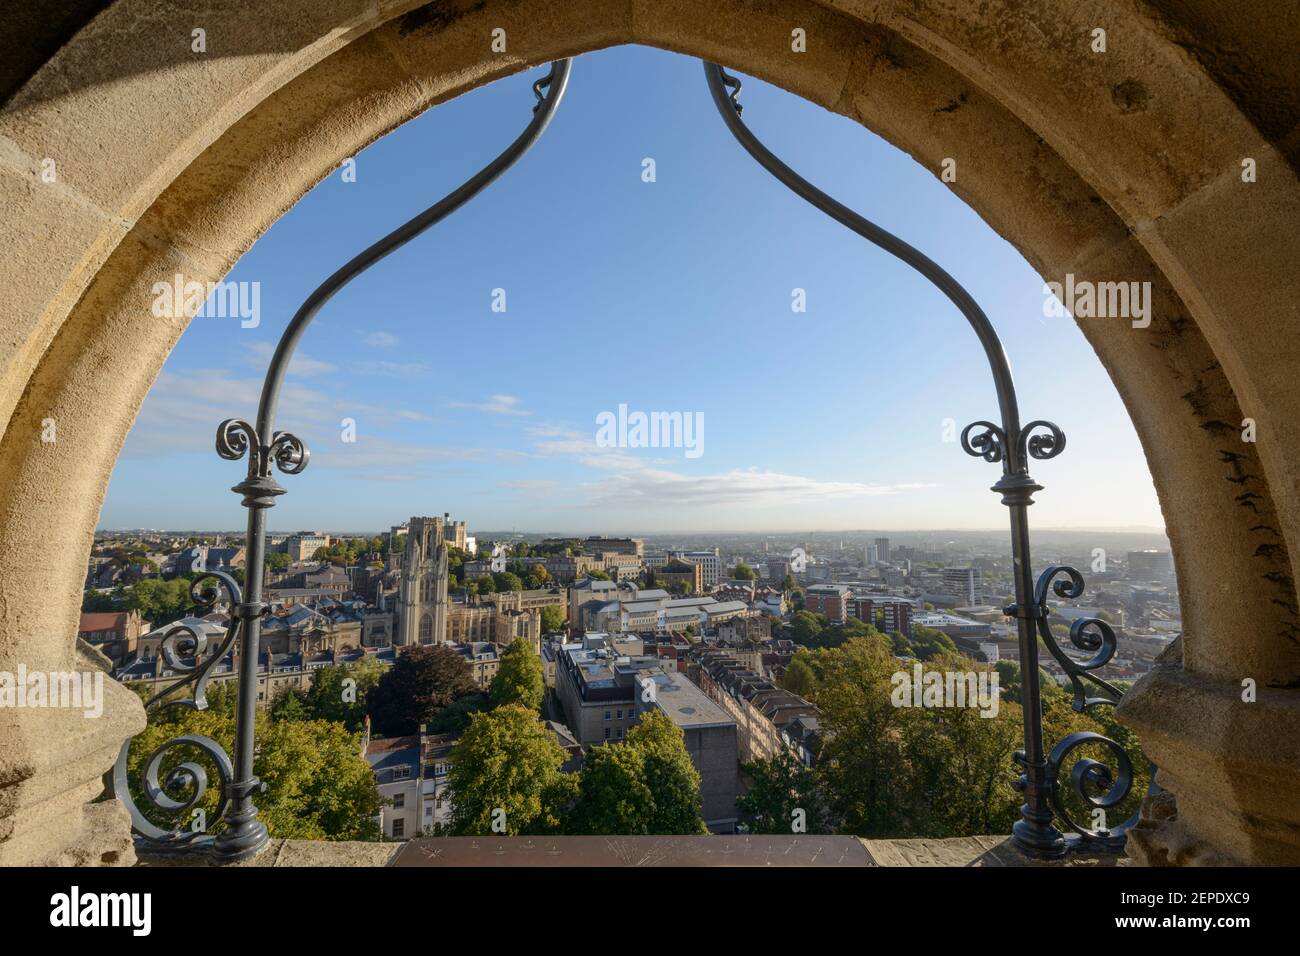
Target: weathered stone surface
[(973, 851), (1123, 165)]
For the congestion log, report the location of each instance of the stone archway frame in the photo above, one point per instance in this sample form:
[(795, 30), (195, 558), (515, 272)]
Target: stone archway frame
[(1116, 167)]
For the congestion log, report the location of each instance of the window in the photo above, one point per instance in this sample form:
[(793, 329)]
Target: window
[(607, 733), (402, 773), (399, 828), (619, 733), (607, 715), (620, 713), (399, 801)]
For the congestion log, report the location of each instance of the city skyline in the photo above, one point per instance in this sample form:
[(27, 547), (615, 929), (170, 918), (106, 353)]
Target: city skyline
[(843, 417)]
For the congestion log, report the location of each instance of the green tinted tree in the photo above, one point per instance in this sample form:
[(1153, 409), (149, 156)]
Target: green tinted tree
[(552, 619), (505, 776), (782, 797), (518, 679)]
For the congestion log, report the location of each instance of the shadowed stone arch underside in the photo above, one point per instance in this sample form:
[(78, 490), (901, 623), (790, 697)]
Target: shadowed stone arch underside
[(1123, 166)]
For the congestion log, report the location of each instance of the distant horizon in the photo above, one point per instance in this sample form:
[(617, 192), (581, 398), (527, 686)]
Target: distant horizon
[(1101, 529)]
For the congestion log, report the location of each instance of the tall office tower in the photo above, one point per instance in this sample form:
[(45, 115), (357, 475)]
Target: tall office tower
[(882, 549), (963, 583), (871, 554), (422, 593)]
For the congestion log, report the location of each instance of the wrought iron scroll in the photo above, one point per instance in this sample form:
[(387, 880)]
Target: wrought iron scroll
[(181, 787), (1012, 445)]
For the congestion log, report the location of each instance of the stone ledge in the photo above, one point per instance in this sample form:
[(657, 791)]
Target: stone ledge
[(974, 851), (650, 851)]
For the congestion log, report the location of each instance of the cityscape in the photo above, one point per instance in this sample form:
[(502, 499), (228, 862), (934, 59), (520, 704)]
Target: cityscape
[(713, 623), (854, 439)]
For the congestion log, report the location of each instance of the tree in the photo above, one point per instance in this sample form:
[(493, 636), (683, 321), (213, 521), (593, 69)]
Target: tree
[(317, 784), (597, 574), (743, 572), (673, 780), (538, 576), (553, 619), (506, 581), (339, 692), (781, 787), (646, 784), (159, 602), (422, 681), (291, 704), (788, 583), (929, 642), (455, 717), (806, 628), (505, 776), (862, 759), (799, 677), (278, 560), (613, 796), (901, 646), (518, 679)]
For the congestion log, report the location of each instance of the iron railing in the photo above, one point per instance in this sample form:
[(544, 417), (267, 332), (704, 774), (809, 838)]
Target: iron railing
[(1009, 442), (1012, 444), (242, 834)]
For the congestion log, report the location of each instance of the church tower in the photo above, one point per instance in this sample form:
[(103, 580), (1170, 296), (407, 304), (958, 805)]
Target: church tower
[(422, 593)]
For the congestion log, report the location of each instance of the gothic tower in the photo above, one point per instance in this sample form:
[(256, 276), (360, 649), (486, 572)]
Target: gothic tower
[(422, 593)]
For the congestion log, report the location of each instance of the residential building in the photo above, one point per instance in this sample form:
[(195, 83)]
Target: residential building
[(301, 546), (682, 574), (116, 634), (710, 563), (829, 599)]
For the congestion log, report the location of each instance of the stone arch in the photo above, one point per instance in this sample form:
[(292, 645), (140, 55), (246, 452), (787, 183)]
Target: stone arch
[(1118, 165)]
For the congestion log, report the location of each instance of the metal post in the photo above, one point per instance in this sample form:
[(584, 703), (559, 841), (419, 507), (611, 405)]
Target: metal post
[(1013, 445), (244, 834)]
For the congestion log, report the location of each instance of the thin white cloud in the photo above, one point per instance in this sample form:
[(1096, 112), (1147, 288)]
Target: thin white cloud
[(300, 365), (380, 340), (497, 405), (649, 487), (181, 412)]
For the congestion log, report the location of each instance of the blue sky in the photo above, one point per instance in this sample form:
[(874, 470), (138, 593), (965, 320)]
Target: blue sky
[(673, 295)]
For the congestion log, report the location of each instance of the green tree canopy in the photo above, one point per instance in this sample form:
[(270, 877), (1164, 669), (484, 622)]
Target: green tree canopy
[(799, 677), (422, 681), (518, 679), (318, 786), (505, 581), (505, 769), (339, 692), (553, 619), (645, 784), (928, 642), (781, 786), (806, 628), (454, 718), (743, 572)]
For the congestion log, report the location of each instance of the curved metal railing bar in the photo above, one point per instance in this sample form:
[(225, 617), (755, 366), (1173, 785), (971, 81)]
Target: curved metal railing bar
[(730, 108), (185, 784), (554, 83), (1013, 445)]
